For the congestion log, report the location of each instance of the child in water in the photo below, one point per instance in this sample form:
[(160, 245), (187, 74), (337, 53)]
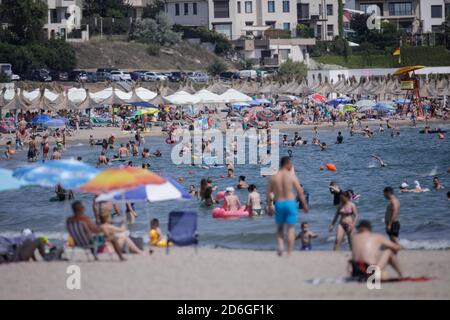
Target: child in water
[(306, 235), (156, 237)]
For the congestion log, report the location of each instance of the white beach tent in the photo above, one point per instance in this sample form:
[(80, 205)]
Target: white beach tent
[(206, 97), (145, 94), (232, 95), (182, 98), (76, 95)]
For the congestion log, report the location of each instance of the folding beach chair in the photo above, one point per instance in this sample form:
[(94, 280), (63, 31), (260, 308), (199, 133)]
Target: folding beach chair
[(182, 229), (90, 245)]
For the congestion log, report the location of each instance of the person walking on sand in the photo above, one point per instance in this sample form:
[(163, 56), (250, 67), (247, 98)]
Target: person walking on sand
[(371, 249), (285, 203), (391, 217)]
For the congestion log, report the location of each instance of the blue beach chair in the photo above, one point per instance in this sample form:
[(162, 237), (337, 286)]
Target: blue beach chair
[(182, 229)]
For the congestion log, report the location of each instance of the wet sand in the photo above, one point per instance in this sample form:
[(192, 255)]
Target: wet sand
[(221, 274)]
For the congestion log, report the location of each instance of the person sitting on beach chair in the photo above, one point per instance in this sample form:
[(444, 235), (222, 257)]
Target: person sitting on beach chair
[(82, 230), (372, 249)]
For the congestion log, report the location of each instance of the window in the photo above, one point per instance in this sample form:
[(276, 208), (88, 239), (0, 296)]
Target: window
[(194, 8), (286, 26), (436, 11), (319, 32), (223, 28), (271, 6), (284, 54), (177, 9), (400, 9), (271, 24), (320, 9), (329, 9), (286, 6), (436, 29), (248, 7), (221, 9), (303, 11), (186, 9), (330, 30), (238, 7)]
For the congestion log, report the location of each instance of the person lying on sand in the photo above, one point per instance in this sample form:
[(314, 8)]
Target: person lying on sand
[(372, 249)]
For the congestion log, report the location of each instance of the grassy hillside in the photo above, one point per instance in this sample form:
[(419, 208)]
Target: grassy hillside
[(133, 55)]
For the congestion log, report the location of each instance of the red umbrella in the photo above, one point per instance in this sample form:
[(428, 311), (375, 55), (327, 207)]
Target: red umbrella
[(318, 98)]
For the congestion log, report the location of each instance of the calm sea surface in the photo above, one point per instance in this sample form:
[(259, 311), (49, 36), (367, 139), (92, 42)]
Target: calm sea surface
[(425, 217)]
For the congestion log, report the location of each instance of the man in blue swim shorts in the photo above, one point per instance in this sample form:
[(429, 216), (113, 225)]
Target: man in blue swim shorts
[(280, 188)]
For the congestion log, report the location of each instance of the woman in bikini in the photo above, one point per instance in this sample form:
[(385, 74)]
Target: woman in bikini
[(348, 214)]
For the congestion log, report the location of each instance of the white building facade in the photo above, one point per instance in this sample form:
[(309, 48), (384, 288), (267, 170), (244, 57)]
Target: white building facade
[(64, 20)]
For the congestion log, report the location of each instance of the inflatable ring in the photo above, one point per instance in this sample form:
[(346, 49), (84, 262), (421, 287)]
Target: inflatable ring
[(330, 167)]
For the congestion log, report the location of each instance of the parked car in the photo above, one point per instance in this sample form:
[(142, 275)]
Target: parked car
[(248, 74), (198, 77), (177, 76), (138, 75), (78, 76), (228, 75), (155, 76), (118, 75), (40, 75), (104, 74), (91, 77), (59, 75), (15, 77)]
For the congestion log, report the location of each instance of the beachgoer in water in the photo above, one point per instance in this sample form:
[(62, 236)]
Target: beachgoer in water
[(391, 217), (254, 201), (32, 149), (305, 236), (382, 163), (8, 151), (348, 215), (417, 188), (335, 190), (56, 155), (145, 153), (371, 249), (91, 140), (323, 146), (339, 138), (286, 212), (102, 159), (437, 184), (232, 202), (193, 191), (63, 194), (123, 151), (157, 153), (242, 184), (206, 192)]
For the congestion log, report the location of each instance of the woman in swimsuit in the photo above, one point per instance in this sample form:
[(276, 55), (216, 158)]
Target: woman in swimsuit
[(348, 214)]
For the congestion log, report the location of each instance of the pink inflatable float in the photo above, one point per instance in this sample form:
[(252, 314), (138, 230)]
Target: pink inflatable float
[(222, 213)]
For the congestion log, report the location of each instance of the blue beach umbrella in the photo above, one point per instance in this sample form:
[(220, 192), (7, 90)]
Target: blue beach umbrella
[(340, 100), (384, 107), (170, 190), (70, 173), (8, 182), (143, 104), (55, 123), (40, 119)]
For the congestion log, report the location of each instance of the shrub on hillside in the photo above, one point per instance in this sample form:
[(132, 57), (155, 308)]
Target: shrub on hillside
[(153, 49), (158, 30), (216, 68), (292, 69)]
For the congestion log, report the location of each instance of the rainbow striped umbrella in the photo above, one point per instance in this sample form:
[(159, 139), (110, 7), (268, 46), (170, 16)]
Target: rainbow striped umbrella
[(121, 178)]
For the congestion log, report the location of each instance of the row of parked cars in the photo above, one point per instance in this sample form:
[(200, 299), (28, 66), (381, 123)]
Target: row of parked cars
[(110, 74)]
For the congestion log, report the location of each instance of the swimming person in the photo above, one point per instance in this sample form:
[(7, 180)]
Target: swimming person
[(286, 212), (253, 201), (437, 184), (382, 163), (348, 214), (305, 236), (371, 249), (339, 138), (242, 184), (391, 218)]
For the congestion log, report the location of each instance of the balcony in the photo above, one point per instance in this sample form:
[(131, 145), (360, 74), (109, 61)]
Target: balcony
[(269, 62)]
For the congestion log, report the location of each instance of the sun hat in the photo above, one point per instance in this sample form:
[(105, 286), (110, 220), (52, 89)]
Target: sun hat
[(404, 185), (229, 189)]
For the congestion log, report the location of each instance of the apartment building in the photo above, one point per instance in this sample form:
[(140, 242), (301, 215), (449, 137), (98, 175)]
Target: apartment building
[(137, 7), (418, 16), (321, 16), (64, 20)]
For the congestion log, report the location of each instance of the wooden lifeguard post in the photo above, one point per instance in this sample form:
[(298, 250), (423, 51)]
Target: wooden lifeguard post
[(411, 84)]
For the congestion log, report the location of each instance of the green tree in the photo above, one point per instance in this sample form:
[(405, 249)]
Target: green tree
[(341, 18), (106, 8), (26, 18), (153, 9), (216, 68), (158, 30), (446, 29), (292, 69)]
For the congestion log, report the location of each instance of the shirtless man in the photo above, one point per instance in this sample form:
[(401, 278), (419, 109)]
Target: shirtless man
[(232, 201), (391, 217), (286, 212), (56, 155), (372, 249), (253, 201), (102, 159), (123, 151)]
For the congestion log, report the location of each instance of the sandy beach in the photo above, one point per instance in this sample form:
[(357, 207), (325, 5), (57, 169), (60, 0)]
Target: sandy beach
[(221, 274), (105, 132)]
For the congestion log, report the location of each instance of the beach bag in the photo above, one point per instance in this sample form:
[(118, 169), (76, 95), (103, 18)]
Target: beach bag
[(138, 241)]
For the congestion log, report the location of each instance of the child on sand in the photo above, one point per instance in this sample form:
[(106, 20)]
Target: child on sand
[(305, 236), (155, 235)]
